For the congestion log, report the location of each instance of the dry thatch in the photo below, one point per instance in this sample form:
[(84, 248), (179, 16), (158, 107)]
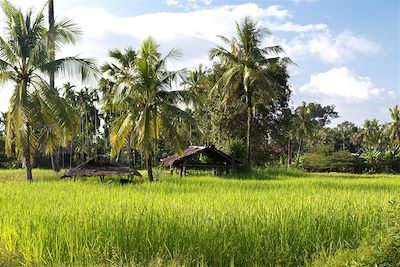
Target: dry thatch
[(100, 166), (189, 158)]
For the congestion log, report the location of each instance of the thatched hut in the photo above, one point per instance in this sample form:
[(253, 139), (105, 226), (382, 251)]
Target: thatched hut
[(202, 157), (101, 166)]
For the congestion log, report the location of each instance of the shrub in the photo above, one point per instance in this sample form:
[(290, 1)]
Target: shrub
[(340, 161)]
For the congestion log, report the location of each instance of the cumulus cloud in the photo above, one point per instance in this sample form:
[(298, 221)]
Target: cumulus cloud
[(185, 30), (301, 1), (297, 28), (188, 4), (342, 83), (331, 48)]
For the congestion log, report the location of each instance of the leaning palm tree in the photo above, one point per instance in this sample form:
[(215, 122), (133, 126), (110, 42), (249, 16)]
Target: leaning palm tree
[(26, 61), (246, 64), (144, 100), (394, 126)]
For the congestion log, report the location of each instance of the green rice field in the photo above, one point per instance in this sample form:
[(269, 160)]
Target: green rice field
[(269, 218)]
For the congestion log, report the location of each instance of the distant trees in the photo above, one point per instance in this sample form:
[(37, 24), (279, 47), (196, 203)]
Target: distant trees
[(308, 120), (36, 111)]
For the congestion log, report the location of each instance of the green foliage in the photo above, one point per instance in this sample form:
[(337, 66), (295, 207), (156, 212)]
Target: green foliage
[(324, 160)]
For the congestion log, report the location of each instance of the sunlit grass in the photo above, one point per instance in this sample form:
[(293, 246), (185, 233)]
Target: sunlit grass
[(284, 220)]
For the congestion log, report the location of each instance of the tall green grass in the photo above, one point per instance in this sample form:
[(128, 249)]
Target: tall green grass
[(210, 221)]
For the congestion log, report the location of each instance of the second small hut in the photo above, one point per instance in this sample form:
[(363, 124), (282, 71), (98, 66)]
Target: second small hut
[(202, 157)]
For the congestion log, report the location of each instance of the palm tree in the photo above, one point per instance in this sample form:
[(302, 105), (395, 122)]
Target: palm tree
[(144, 100), (51, 45), (394, 126), (304, 126), (371, 134), (246, 63), (25, 60)]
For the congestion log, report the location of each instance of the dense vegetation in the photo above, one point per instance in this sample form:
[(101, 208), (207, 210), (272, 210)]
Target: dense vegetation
[(276, 218), (142, 111)]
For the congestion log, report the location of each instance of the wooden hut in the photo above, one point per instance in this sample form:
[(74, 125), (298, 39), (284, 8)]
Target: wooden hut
[(101, 166), (202, 157)]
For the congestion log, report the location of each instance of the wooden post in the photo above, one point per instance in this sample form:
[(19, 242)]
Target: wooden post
[(184, 168)]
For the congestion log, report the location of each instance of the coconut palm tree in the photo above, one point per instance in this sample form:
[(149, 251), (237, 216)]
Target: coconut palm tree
[(304, 126), (26, 61), (51, 46), (144, 100), (394, 126), (372, 134), (246, 62)]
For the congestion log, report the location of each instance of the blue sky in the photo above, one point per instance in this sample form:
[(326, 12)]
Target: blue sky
[(348, 52)]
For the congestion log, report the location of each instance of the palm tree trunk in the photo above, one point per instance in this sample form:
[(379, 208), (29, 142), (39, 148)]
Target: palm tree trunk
[(27, 155), (248, 132), (298, 152), (131, 156), (54, 163), (70, 156), (51, 41), (289, 152), (63, 157), (150, 167)]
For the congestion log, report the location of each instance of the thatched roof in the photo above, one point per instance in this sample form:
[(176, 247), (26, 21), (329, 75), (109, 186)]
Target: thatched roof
[(215, 155), (100, 166)]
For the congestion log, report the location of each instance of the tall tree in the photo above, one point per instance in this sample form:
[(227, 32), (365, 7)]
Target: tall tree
[(145, 101), (246, 63), (51, 45), (371, 133), (303, 125), (26, 60), (394, 127), (309, 119)]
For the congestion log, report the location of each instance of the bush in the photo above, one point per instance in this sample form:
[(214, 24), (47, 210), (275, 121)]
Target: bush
[(339, 161)]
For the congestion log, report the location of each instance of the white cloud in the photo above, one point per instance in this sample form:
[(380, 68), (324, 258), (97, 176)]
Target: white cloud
[(293, 27), (342, 83), (172, 2), (189, 4), (330, 48), (277, 12), (300, 1), (195, 27)]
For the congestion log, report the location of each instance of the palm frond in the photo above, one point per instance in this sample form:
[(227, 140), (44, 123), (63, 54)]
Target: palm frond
[(71, 67), (120, 131)]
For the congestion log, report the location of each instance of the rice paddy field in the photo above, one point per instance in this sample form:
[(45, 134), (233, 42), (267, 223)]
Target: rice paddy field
[(268, 218)]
